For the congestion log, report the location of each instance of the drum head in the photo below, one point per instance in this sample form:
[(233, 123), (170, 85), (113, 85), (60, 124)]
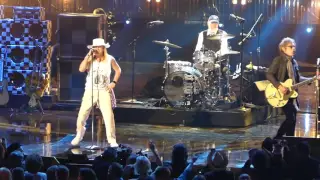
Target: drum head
[(180, 88)]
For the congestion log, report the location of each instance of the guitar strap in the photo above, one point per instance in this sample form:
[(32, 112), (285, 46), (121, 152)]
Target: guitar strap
[(291, 74), (291, 70)]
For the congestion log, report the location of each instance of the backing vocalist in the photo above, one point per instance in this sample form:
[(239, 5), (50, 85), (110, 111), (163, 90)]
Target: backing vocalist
[(98, 64)]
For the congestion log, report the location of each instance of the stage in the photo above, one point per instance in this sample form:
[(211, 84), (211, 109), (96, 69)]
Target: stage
[(133, 129)]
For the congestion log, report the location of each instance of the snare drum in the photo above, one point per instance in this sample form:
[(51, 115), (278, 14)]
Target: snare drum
[(174, 66)]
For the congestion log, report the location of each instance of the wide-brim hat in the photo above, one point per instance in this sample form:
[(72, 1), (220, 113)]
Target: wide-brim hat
[(98, 42)]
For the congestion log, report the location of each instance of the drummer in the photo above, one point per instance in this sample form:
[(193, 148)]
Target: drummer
[(215, 45)]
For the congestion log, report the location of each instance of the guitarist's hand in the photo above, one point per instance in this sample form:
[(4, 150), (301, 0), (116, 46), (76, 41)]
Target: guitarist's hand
[(283, 89)]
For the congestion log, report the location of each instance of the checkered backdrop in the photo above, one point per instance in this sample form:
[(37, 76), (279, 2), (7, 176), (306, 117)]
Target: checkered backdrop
[(18, 39), (21, 57), (29, 32), (71, 81), (22, 12), (19, 76), (76, 31)]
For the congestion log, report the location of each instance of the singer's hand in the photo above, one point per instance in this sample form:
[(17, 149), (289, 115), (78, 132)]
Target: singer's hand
[(89, 56), (111, 86)]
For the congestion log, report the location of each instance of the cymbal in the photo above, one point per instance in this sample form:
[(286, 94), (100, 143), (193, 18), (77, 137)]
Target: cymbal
[(167, 43), (221, 37), (229, 52)]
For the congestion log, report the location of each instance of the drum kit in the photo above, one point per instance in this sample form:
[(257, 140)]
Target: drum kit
[(202, 84)]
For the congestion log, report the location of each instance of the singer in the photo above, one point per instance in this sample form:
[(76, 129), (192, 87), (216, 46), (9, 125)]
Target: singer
[(282, 68), (213, 29), (98, 89)]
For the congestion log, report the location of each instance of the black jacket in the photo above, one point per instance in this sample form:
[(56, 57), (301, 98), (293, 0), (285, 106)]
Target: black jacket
[(277, 71)]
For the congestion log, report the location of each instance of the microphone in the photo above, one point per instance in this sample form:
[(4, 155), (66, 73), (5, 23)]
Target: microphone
[(158, 22), (237, 18)]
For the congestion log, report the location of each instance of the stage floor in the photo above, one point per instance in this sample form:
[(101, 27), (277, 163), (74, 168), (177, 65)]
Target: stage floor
[(27, 129)]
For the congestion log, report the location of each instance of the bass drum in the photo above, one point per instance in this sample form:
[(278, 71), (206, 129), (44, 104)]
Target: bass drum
[(183, 88)]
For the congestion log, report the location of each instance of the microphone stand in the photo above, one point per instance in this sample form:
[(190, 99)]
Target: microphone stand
[(133, 43), (92, 147), (241, 52)]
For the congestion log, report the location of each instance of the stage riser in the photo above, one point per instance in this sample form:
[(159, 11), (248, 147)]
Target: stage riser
[(235, 118)]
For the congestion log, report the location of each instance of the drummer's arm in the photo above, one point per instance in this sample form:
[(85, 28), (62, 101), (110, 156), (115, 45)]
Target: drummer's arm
[(200, 42)]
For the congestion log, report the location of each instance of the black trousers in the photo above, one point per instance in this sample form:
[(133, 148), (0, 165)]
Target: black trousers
[(288, 126)]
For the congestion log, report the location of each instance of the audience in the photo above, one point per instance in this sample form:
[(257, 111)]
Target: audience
[(274, 161), (115, 171), (5, 174), (33, 165), (18, 173), (162, 173), (15, 159), (101, 163), (87, 174), (62, 173), (179, 160), (142, 168), (51, 172)]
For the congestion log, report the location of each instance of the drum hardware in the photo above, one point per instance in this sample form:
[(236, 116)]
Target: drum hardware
[(166, 45), (203, 84), (241, 43)]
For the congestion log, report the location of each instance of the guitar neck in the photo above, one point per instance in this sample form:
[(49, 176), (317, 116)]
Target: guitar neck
[(296, 86)]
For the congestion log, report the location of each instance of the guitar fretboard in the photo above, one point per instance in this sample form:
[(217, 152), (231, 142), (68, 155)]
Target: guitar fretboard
[(303, 83)]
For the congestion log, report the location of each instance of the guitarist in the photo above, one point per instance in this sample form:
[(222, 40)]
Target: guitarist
[(282, 68)]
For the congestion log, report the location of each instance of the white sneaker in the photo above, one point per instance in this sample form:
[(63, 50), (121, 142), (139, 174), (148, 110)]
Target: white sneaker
[(78, 138), (114, 145)]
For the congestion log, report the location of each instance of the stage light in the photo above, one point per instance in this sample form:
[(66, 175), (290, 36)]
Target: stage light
[(158, 1), (243, 2), (148, 0), (234, 1), (128, 21), (309, 29)]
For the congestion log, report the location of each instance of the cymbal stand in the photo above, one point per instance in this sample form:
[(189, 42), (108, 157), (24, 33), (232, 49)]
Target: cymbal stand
[(166, 64), (220, 94), (241, 43)]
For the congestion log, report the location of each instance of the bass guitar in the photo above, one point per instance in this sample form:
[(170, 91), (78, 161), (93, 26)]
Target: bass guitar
[(277, 99)]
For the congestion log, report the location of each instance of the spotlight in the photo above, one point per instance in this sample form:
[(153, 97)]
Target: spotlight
[(243, 2), (128, 21), (158, 1), (309, 29), (234, 1), (148, 0)]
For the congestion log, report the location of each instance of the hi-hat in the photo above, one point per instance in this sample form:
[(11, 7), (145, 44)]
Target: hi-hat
[(167, 43), (221, 37)]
